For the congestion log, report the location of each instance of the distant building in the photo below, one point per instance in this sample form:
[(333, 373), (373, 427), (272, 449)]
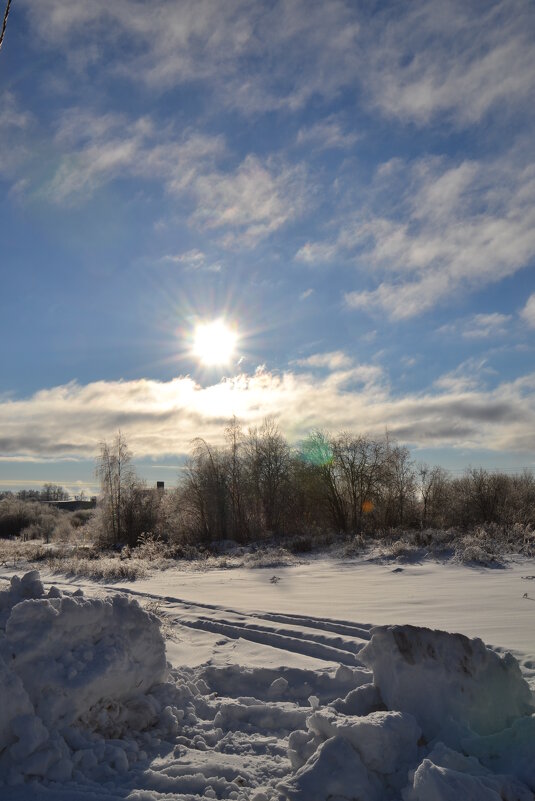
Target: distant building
[(73, 506)]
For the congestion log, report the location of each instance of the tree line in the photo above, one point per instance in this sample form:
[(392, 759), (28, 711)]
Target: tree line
[(256, 486)]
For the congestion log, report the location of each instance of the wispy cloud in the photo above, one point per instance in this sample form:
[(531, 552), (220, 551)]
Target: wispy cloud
[(478, 326), (335, 360), (452, 58), (528, 312), (431, 228), (246, 203), (253, 201), (162, 417), (311, 47), (98, 148), (14, 124), (193, 259), (327, 134), (414, 60)]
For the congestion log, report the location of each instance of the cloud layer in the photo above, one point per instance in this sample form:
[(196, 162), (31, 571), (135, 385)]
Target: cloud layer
[(161, 418)]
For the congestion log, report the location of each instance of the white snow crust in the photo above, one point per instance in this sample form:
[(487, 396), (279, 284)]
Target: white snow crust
[(275, 706)]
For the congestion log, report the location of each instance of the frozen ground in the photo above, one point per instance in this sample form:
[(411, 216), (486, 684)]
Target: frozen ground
[(271, 688)]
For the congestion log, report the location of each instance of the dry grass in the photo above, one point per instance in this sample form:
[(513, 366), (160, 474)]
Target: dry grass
[(79, 557)]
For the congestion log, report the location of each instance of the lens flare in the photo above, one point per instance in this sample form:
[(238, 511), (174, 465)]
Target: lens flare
[(214, 343)]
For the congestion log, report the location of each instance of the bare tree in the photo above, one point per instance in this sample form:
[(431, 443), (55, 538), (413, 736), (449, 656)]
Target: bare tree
[(400, 481), (53, 492), (115, 472), (432, 488), (268, 465), (236, 479)]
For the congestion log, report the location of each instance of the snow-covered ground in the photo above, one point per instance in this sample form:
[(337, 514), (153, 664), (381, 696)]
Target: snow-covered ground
[(278, 689)]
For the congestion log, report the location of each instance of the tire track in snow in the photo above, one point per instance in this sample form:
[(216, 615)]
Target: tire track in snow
[(361, 631), (298, 645), (326, 647), (340, 643)]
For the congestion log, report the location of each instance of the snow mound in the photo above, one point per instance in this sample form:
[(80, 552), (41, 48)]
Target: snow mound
[(445, 719), (452, 685), (74, 671)]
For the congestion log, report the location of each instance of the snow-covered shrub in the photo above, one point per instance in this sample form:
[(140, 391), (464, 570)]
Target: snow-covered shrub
[(353, 547), (476, 549)]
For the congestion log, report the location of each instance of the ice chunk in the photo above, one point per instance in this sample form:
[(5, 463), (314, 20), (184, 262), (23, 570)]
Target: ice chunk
[(83, 652), (14, 702), (435, 783), (360, 701)]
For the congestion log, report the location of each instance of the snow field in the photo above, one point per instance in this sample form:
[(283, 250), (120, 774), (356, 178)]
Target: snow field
[(259, 706)]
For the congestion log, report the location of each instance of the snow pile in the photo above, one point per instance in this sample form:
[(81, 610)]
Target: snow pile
[(445, 718), (88, 708), (453, 685), (73, 672)]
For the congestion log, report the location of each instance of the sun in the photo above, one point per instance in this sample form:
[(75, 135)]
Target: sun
[(214, 343)]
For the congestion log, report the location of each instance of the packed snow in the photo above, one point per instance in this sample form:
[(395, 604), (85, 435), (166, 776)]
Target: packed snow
[(264, 705)]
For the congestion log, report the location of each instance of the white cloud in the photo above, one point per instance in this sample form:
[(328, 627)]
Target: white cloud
[(335, 360), (528, 312), (317, 252), (162, 417), (98, 148), (478, 326), (484, 326), (329, 133), (470, 375), (14, 125), (194, 259), (429, 229), (255, 200), (12, 116), (451, 57), (414, 60), (256, 55), (247, 202)]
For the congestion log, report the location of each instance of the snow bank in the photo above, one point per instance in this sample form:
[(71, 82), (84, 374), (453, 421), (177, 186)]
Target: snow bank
[(445, 719), (451, 684), (74, 671)]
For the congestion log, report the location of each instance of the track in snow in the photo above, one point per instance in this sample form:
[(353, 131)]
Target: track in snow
[(333, 641)]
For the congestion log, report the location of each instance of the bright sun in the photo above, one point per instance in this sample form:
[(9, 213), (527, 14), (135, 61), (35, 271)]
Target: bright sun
[(214, 343)]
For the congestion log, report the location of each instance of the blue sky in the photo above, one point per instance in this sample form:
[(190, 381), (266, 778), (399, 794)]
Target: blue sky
[(350, 185)]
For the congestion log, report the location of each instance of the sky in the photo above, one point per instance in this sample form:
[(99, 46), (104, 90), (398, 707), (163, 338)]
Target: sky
[(348, 187)]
